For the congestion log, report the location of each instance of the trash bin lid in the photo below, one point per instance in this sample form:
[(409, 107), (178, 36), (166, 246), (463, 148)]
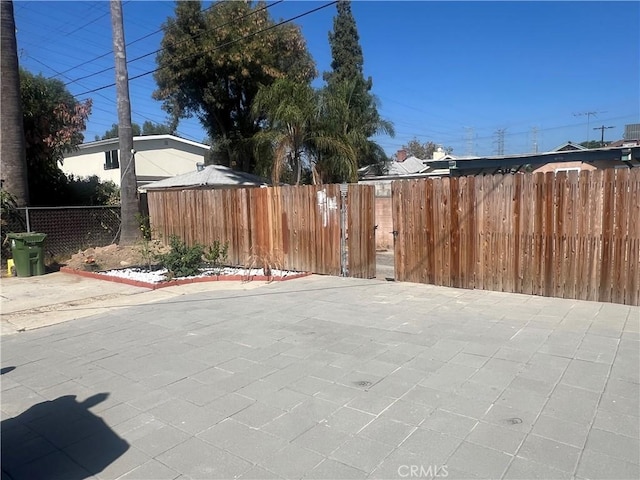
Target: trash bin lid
[(27, 237)]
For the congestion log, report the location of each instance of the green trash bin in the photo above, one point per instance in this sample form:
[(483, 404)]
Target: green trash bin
[(28, 253)]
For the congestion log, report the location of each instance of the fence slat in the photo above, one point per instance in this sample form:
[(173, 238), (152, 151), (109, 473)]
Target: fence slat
[(571, 235)]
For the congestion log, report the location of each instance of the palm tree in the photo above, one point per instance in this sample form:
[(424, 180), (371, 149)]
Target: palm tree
[(288, 111), (12, 143), (349, 116)]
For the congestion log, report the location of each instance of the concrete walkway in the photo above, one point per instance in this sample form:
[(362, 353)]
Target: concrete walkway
[(324, 377)]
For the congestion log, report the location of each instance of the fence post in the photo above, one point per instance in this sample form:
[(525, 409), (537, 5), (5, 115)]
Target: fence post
[(343, 229), (26, 215)]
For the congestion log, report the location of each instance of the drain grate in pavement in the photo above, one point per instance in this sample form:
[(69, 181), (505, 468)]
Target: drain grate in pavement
[(362, 383)]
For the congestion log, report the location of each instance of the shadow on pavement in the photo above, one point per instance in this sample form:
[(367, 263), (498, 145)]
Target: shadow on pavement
[(59, 439)]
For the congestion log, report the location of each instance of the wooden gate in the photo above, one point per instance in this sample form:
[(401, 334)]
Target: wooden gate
[(293, 228)]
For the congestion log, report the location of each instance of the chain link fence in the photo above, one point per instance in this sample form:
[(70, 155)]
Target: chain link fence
[(69, 229)]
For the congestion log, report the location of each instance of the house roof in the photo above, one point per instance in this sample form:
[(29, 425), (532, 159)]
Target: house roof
[(569, 146), (142, 139), (210, 176), (410, 165)]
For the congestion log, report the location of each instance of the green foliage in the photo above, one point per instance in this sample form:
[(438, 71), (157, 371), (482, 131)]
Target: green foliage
[(10, 220), (354, 110), (53, 123), (209, 70), (88, 191), (216, 255), (181, 260), (423, 151), (147, 246), (148, 128)]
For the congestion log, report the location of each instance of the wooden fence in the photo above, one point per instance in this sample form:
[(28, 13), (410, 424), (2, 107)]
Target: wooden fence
[(571, 235), (292, 228)]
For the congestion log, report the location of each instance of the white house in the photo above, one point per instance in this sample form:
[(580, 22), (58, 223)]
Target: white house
[(156, 157)]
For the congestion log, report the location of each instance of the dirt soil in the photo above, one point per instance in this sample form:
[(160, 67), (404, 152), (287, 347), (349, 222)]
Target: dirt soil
[(107, 258)]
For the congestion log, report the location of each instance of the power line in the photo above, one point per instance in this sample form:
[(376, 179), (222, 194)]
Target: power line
[(309, 12), (602, 129), (180, 42)]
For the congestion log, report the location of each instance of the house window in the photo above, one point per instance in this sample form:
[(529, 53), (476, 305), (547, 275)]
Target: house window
[(111, 160), (567, 169)]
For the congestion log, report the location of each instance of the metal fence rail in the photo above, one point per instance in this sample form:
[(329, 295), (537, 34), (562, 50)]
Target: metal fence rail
[(70, 229)]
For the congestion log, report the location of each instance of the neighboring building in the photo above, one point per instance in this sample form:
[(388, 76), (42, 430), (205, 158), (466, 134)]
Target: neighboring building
[(156, 157), (632, 131), (568, 157), (209, 177)]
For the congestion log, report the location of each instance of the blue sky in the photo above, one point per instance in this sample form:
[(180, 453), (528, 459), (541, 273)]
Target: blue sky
[(449, 72)]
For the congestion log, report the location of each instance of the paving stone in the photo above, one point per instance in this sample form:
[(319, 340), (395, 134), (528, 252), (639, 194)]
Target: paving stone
[(230, 404), (619, 404), (187, 416), (478, 460), (316, 409), (598, 465), (587, 375), (322, 439), (152, 470), (362, 453), (433, 447), (620, 388), (523, 469), (543, 450), (257, 415), (617, 423), (512, 418), (387, 431), (243, 441), (427, 396), (339, 394), (449, 423), (199, 460), (469, 360), (53, 465), (499, 438), (617, 446), (571, 403), (407, 412), (523, 399), (330, 469), (289, 425), (371, 403), (258, 473), (562, 431), (349, 420), (309, 385), (292, 462), (158, 440)]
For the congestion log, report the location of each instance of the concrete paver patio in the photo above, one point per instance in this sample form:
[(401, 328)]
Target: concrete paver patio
[(325, 377)]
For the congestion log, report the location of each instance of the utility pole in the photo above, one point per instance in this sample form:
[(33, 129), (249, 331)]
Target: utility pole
[(588, 115), (602, 129), (129, 201)]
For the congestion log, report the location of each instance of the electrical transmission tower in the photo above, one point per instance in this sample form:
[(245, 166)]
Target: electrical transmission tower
[(534, 139), (500, 141), (469, 141), (602, 129)]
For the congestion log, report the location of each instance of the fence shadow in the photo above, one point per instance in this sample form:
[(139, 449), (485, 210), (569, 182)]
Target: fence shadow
[(59, 439)]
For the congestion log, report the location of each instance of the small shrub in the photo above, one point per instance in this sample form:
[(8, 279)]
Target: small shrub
[(265, 259), (181, 260), (216, 255)]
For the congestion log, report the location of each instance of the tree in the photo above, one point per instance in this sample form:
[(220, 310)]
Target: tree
[(129, 203), (350, 126), (53, 122), (593, 144), (148, 128), (213, 63), (12, 141), (361, 119)]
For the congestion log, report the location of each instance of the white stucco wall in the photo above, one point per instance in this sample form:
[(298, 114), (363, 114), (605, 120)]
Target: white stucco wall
[(157, 156)]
